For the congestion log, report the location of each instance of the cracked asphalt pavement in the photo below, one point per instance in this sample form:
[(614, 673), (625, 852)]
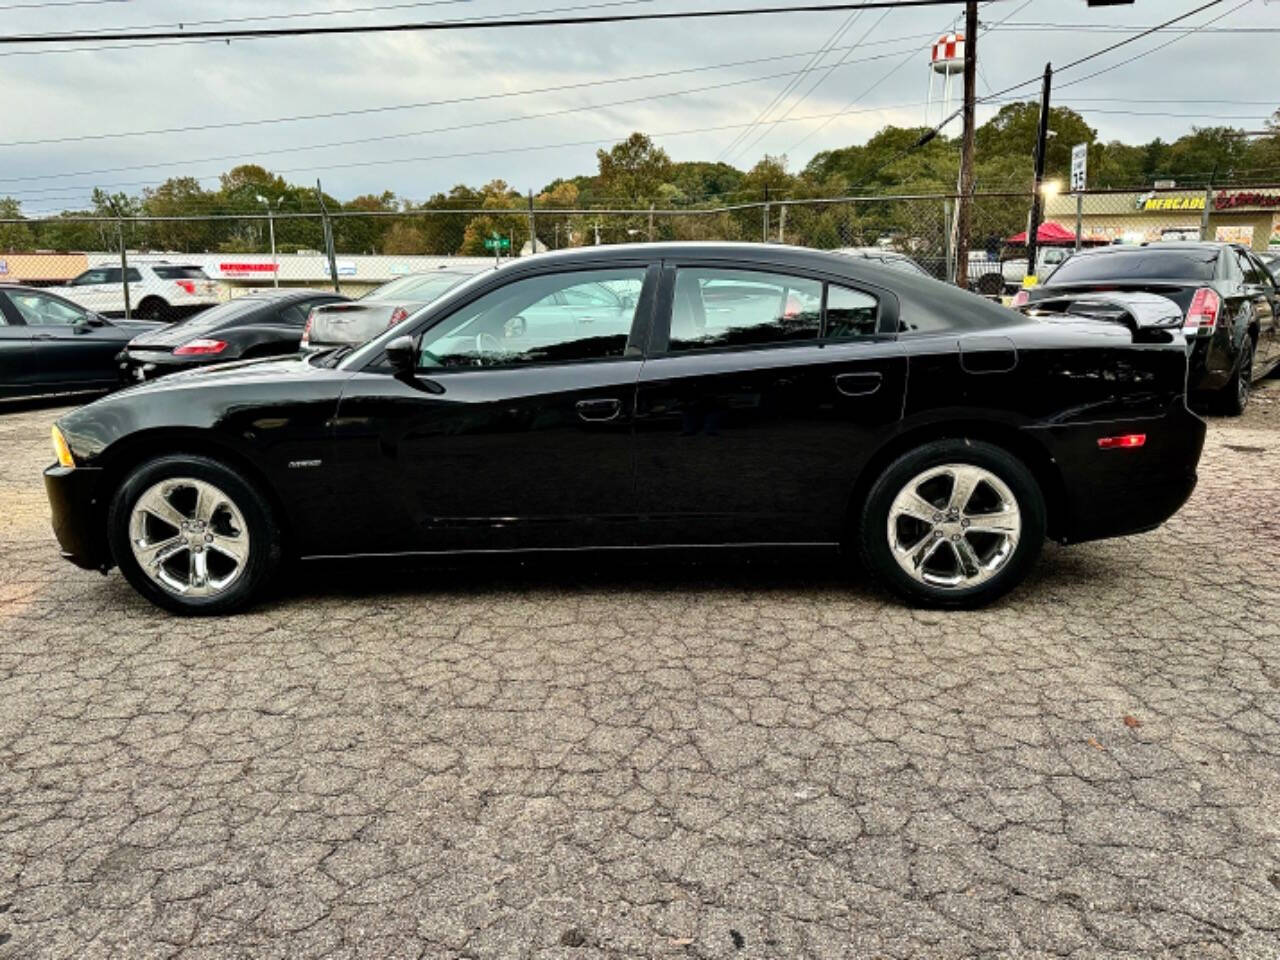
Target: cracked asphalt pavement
[(723, 759)]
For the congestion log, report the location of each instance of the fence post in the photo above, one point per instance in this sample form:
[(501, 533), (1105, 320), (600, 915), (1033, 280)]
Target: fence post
[(1079, 217), (948, 254), (782, 223), (327, 230), (533, 234), (764, 233), (651, 222), (124, 269), (1204, 214)]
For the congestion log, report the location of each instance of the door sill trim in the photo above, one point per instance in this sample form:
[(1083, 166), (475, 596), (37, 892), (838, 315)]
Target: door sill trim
[(473, 551)]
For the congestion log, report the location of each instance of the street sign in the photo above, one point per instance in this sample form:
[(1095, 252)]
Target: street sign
[(1079, 163), (497, 242)]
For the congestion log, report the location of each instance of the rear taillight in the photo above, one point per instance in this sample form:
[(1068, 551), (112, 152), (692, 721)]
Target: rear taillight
[(1021, 298), (187, 286), (398, 314), (306, 331), (1124, 442), (1202, 315), (201, 347)]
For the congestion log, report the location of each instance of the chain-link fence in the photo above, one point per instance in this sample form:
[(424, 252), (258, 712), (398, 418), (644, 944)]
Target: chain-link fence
[(165, 268)]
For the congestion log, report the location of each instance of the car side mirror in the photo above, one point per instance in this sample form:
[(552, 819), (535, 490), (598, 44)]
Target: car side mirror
[(402, 354), (96, 320)]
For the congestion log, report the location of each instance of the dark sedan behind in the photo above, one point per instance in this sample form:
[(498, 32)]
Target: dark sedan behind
[(1229, 299), (49, 345), (263, 323)]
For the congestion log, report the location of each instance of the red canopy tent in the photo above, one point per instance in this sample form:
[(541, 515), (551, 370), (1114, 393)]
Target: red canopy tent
[(1053, 234)]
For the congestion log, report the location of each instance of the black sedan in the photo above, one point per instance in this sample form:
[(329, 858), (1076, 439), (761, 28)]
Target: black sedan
[(1229, 300), (351, 324), (50, 345), (749, 396), (264, 323)]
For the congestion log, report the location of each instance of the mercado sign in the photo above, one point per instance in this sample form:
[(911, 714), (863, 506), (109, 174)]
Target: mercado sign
[(1171, 203), (1245, 198)]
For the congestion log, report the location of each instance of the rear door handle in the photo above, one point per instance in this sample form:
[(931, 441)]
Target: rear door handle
[(42, 336), (599, 411), (859, 384)]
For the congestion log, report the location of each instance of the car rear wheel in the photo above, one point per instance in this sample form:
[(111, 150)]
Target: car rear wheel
[(953, 523), (1233, 399), (192, 536), (154, 308)]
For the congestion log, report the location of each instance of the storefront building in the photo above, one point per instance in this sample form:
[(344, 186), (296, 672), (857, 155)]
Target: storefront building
[(1239, 215)]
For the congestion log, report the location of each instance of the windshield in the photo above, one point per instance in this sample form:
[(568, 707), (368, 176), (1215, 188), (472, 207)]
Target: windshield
[(418, 287), (223, 311), (1139, 263)]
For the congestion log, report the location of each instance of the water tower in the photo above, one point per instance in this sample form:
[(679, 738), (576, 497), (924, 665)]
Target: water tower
[(946, 59)]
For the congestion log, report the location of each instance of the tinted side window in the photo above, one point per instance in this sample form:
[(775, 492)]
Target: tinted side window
[(717, 308), (1264, 275), (1139, 263), (531, 321), (39, 310), (90, 277), (180, 273), (134, 276), (1247, 268), (851, 313), (295, 314)]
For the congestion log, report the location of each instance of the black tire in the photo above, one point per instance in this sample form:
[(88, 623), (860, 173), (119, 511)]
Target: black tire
[(873, 534), (264, 538), (1233, 399), (154, 308)]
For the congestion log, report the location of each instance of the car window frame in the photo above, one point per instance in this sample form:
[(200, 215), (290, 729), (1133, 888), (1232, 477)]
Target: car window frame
[(80, 281), (660, 337), (454, 301), (84, 312)]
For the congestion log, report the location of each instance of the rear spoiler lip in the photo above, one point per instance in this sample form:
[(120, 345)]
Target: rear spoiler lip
[(1147, 311)]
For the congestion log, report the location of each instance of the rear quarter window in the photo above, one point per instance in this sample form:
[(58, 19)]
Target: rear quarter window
[(1146, 263), (180, 273)]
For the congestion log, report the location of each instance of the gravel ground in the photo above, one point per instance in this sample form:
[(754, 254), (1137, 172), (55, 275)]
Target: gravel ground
[(738, 760)]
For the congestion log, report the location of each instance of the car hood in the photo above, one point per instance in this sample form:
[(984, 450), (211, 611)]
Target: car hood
[(263, 370)]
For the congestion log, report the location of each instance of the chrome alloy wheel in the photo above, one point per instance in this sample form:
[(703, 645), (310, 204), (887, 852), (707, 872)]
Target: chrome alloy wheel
[(189, 537), (954, 526)]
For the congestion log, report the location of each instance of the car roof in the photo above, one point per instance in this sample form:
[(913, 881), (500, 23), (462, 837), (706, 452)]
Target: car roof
[(1204, 245), (285, 293), (870, 252)]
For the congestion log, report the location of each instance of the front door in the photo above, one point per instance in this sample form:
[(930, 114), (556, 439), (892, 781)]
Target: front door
[(69, 351), (514, 432), (755, 409)]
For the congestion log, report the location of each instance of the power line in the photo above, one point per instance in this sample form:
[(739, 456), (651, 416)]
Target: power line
[(386, 108), (296, 15), (401, 136), (789, 86), (81, 190), (57, 3), (465, 24)]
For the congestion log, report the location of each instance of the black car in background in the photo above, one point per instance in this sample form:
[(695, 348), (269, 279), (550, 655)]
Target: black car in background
[(739, 395), (351, 324), (50, 345), (264, 323), (1229, 300)]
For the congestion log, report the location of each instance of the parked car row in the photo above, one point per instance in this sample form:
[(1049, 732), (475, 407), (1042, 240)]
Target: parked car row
[(50, 344), (676, 396), (158, 290)]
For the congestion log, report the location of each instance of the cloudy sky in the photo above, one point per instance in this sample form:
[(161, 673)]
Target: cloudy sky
[(532, 104)]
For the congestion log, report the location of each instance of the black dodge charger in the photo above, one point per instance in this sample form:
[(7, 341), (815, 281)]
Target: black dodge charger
[(683, 395)]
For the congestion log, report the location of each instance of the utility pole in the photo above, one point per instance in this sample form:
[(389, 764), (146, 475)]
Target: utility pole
[(764, 233), (533, 236), (1042, 141), (965, 200), (124, 257), (651, 221), (328, 239)]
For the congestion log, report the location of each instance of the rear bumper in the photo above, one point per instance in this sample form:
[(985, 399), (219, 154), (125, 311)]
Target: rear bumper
[(1111, 493), (78, 517)]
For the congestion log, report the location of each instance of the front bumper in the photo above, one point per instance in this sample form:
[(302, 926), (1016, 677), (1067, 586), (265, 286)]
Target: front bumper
[(1112, 493), (79, 519)]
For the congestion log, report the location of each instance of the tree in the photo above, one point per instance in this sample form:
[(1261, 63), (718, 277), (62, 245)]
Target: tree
[(1013, 132), (176, 197), (633, 169), (13, 236)]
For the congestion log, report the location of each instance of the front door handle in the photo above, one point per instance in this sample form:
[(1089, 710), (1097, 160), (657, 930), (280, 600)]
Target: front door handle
[(42, 336), (859, 384), (599, 411)]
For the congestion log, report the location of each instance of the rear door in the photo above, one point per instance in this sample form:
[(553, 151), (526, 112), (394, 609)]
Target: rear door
[(763, 392)]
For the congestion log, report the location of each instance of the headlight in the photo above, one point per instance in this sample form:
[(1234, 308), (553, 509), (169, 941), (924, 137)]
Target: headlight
[(61, 450)]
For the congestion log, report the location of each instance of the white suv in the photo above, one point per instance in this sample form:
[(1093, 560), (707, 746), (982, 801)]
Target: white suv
[(157, 290)]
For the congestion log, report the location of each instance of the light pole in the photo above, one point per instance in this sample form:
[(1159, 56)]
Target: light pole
[(271, 227)]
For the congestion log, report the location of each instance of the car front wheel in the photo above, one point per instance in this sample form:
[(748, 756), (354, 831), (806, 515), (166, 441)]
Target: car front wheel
[(953, 523), (192, 536)]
